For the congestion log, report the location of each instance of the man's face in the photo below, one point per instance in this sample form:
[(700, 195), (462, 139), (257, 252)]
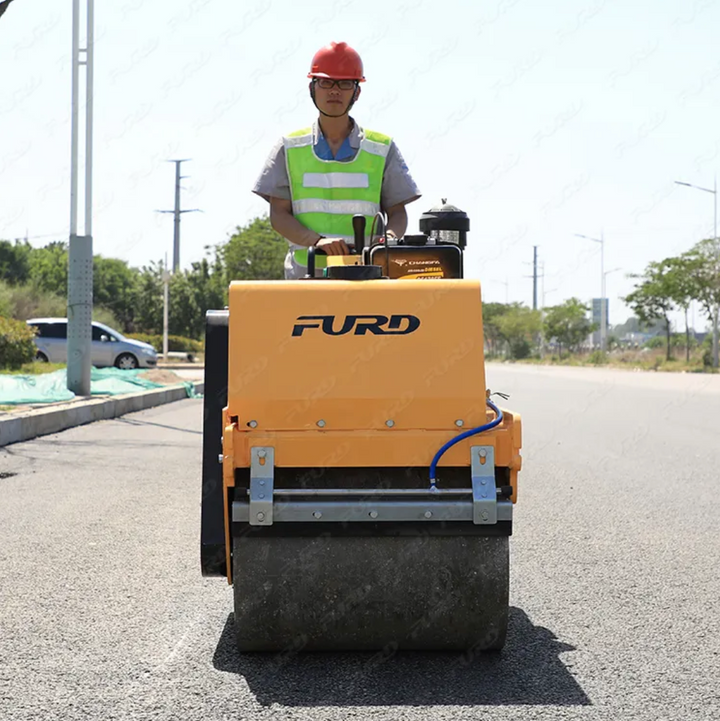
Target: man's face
[(334, 96)]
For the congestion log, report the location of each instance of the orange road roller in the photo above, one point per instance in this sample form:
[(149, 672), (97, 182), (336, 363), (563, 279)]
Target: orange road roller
[(358, 479)]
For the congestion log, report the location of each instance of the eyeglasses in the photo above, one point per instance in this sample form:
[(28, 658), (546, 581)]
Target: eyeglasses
[(327, 83)]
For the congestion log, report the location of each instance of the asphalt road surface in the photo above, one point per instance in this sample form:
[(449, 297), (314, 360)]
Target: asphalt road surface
[(615, 586)]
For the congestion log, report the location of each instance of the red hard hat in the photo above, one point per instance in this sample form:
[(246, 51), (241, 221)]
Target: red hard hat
[(337, 61)]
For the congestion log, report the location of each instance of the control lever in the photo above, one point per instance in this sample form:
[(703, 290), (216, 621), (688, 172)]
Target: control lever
[(358, 223), (311, 260)]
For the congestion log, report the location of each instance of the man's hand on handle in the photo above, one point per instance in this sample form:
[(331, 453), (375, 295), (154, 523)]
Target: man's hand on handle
[(333, 246)]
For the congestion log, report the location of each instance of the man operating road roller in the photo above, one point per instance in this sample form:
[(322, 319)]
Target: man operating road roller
[(317, 178)]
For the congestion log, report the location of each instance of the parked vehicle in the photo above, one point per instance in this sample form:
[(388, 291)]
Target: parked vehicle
[(109, 347)]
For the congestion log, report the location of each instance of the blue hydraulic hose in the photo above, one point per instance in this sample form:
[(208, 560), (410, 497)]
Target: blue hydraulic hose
[(461, 437)]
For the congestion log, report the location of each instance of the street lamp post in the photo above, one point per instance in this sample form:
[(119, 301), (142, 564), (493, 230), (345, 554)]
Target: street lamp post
[(717, 251), (80, 253), (603, 319)]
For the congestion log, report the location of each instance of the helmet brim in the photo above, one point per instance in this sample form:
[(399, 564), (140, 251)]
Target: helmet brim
[(337, 77)]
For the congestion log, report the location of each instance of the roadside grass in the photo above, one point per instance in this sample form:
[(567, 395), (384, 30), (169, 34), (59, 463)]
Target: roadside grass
[(34, 368), (642, 359)]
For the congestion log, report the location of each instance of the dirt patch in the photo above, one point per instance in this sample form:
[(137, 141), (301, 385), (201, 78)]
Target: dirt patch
[(162, 375)]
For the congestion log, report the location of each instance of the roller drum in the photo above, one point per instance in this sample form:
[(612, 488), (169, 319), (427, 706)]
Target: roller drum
[(369, 593)]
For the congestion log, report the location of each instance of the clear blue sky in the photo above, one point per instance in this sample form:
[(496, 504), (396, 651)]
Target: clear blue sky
[(541, 120)]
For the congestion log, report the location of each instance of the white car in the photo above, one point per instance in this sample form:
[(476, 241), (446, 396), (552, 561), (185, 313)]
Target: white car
[(109, 348)]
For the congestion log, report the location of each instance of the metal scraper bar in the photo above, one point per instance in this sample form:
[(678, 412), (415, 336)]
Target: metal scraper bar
[(369, 511), (400, 504), (372, 492)]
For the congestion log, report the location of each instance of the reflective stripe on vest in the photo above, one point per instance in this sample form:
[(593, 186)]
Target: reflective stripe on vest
[(336, 180), (327, 193)]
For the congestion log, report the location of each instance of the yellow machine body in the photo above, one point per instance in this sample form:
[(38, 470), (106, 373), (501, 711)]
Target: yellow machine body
[(369, 374)]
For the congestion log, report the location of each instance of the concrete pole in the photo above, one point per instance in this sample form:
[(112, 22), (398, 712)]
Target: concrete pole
[(80, 254)]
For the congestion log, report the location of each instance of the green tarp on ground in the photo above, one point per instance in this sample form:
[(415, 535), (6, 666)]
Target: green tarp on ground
[(52, 387)]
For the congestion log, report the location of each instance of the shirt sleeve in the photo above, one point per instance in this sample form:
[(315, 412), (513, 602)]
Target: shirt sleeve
[(273, 180), (398, 185)]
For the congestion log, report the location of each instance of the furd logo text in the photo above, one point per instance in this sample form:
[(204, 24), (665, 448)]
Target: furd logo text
[(357, 324)]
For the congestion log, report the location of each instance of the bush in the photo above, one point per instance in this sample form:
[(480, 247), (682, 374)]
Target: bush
[(519, 348), (598, 357), (16, 343), (27, 301), (103, 315), (175, 342)]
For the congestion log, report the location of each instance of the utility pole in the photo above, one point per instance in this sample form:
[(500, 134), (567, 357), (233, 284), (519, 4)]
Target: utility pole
[(176, 213), (535, 277), (80, 255)]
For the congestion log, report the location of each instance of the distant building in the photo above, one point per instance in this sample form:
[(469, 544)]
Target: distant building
[(596, 318)]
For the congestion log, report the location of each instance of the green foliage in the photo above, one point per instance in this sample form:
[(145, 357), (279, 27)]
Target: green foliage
[(49, 268), (27, 301), (598, 358), (568, 324), (255, 252), (491, 312), (149, 299), (652, 297), (175, 342), (15, 262), (677, 340), (517, 326), (103, 315), (635, 325), (114, 288), (185, 316), (16, 343), (703, 262), (209, 286)]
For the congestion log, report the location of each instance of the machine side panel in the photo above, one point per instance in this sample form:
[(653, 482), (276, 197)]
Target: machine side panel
[(212, 525), (356, 355)]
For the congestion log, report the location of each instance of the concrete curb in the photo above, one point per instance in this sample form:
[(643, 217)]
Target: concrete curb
[(43, 421)]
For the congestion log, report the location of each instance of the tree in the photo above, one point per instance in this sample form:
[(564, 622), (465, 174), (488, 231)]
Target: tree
[(491, 313), (568, 323), (114, 288), (651, 298), (682, 286), (209, 288), (184, 315), (149, 300), (15, 262), (255, 252), (704, 264), (49, 268), (518, 326), (635, 325)]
